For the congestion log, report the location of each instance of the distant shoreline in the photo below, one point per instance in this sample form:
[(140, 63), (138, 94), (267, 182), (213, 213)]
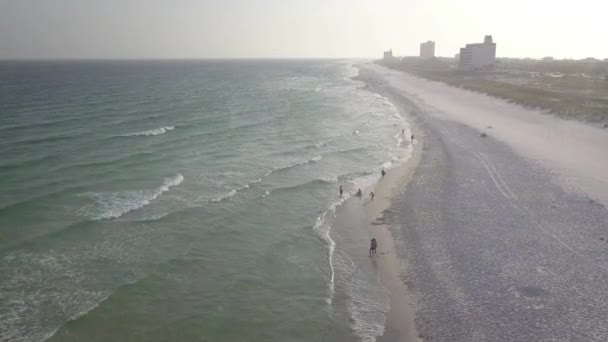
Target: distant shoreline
[(567, 97)]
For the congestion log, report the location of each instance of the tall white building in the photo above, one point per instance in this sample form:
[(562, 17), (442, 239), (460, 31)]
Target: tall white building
[(427, 50), (478, 56)]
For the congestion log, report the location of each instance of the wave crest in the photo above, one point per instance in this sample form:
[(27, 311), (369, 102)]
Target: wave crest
[(289, 166), (235, 191), (109, 205), (157, 131)]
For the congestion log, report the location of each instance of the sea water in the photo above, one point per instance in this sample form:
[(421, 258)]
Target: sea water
[(185, 200)]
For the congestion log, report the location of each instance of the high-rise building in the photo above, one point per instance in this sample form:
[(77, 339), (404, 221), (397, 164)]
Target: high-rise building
[(388, 55), (427, 50), (478, 56)]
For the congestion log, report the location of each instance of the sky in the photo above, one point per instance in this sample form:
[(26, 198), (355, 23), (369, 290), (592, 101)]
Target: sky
[(164, 29)]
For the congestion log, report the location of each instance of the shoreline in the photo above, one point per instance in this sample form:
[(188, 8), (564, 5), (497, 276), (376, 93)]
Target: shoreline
[(400, 319)]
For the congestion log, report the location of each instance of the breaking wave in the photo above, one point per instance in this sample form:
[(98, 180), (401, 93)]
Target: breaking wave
[(109, 205), (157, 131), (235, 191), (292, 165)]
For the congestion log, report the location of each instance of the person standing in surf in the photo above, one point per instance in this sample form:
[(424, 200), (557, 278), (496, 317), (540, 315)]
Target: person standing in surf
[(341, 191), (373, 246)]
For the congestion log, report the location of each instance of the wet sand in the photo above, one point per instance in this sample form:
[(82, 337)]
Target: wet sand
[(356, 222), (400, 318), (350, 221)]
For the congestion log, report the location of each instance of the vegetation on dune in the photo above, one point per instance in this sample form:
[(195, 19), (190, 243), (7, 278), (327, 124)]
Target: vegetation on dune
[(575, 96)]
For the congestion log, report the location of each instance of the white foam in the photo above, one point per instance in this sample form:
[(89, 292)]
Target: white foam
[(368, 316), (157, 131), (329, 180), (323, 231), (289, 166), (399, 138), (230, 194), (52, 280), (109, 205), (350, 71), (366, 329), (235, 191)]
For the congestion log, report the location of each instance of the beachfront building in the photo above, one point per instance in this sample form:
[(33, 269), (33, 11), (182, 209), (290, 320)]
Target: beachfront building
[(478, 56), (427, 50), (388, 55)]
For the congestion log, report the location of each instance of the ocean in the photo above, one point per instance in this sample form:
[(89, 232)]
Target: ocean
[(188, 200)]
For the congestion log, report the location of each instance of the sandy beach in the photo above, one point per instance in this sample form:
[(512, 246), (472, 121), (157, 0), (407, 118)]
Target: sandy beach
[(400, 324), (478, 235)]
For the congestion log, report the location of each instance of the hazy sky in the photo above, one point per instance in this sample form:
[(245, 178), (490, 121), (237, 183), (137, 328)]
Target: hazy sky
[(297, 28)]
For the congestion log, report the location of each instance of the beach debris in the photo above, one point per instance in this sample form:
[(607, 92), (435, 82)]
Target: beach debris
[(378, 221), (483, 134)]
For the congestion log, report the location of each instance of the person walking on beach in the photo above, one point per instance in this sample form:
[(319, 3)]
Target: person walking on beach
[(372, 247), (383, 172), (412, 139), (359, 193), (341, 191), (371, 194)]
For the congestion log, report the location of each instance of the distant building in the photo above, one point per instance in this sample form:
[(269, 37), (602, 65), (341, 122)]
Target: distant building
[(388, 55), (478, 56), (548, 59), (427, 50)]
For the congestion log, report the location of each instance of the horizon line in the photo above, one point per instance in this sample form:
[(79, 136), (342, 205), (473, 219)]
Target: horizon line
[(59, 59)]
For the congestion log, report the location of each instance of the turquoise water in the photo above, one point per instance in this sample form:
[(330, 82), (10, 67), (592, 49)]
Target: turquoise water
[(183, 200)]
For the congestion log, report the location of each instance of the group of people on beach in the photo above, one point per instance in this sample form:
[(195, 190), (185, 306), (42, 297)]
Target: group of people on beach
[(374, 243), (359, 192)]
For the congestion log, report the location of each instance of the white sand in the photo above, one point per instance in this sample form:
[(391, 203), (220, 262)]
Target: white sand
[(576, 152)]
